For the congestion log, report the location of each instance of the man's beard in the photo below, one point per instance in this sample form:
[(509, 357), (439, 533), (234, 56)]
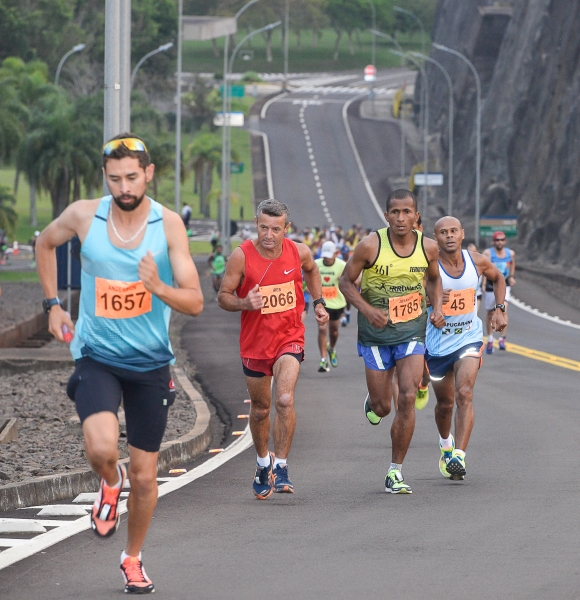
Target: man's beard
[(128, 207)]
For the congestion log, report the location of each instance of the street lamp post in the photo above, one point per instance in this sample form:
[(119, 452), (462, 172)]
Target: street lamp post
[(478, 134), (224, 222), (373, 30), (177, 192), (412, 14), (148, 55), (400, 49), (451, 117), (425, 111), (226, 165), (76, 48)]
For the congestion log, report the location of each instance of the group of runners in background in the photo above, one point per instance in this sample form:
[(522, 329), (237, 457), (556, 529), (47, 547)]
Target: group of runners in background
[(416, 300)]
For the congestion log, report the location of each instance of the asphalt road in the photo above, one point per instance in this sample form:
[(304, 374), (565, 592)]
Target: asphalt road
[(509, 530)]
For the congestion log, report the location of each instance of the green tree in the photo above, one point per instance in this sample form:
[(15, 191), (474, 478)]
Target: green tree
[(203, 155), (8, 216), (345, 17)]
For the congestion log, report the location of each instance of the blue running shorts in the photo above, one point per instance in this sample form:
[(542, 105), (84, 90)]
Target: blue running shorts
[(383, 358), (439, 366)]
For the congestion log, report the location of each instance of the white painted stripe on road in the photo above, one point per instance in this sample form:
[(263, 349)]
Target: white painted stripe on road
[(271, 101), (543, 315), (267, 161), (358, 160), (20, 549)]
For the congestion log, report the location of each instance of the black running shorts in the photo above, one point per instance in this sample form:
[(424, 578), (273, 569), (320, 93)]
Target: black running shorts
[(96, 387)]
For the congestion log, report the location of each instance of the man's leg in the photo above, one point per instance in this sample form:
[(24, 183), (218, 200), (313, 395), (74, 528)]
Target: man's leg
[(322, 340), (101, 433), (445, 395), (379, 385), (286, 370), (409, 372), (466, 371), (333, 331), (142, 497), (261, 399)]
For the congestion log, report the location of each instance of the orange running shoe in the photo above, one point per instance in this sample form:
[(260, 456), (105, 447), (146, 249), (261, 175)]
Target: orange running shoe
[(104, 516), (136, 580)]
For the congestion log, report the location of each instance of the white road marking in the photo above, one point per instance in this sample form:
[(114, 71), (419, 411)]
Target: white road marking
[(21, 526), (543, 315), (64, 510), (20, 549)]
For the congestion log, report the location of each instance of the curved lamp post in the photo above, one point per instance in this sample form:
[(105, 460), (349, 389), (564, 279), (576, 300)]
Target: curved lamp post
[(226, 164), (418, 20), (451, 116), (76, 48), (425, 90), (148, 55), (478, 133)]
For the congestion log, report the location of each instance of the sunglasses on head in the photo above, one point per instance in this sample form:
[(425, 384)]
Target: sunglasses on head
[(132, 144)]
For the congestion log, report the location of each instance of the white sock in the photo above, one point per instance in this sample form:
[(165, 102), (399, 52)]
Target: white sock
[(502, 339), (446, 444), (490, 337), (120, 482), (124, 555), (396, 466), (264, 462), (460, 453), (279, 461)]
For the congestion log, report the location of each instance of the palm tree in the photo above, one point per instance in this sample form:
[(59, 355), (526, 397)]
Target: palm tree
[(8, 216)]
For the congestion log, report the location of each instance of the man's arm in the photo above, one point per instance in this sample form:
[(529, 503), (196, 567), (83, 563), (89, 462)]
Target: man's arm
[(59, 231), (364, 254), (486, 268), (312, 279), (511, 276), (233, 277), (188, 297), (434, 287)]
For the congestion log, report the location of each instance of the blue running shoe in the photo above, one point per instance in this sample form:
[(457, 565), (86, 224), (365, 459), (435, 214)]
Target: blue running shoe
[(264, 480), (456, 467), (282, 485)]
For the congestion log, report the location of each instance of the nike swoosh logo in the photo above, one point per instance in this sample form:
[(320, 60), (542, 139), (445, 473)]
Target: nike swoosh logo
[(290, 271)]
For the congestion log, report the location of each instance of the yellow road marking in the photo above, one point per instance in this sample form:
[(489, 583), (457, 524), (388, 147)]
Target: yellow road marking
[(559, 361)]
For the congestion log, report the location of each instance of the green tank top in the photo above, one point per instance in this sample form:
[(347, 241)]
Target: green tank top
[(329, 276), (218, 265), (390, 277)]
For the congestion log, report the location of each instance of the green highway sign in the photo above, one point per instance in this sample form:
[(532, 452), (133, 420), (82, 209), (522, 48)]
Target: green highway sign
[(236, 167), (490, 224), (236, 91)]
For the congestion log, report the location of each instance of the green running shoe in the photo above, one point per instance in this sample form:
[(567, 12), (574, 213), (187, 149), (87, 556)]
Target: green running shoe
[(323, 368), (446, 456), (395, 484), (332, 356), (422, 398), (372, 417), (456, 467)]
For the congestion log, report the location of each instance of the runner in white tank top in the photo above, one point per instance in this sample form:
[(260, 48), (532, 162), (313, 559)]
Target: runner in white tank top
[(454, 352)]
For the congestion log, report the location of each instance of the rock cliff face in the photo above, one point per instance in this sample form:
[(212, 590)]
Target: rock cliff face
[(527, 53)]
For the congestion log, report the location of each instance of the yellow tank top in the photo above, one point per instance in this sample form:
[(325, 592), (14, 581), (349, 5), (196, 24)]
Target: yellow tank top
[(395, 284)]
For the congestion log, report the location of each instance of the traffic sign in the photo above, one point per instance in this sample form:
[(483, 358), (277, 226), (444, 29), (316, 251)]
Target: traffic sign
[(434, 179), (490, 224), (236, 167), (370, 73), (236, 91)]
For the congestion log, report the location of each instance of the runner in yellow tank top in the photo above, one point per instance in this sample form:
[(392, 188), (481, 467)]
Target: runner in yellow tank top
[(392, 318)]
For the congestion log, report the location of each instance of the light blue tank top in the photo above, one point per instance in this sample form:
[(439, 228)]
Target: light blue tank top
[(459, 330), (137, 343)]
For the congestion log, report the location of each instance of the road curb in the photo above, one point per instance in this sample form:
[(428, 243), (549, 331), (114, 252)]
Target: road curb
[(48, 489)]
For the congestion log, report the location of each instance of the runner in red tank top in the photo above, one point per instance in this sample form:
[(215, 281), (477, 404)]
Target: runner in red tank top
[(263, 280)]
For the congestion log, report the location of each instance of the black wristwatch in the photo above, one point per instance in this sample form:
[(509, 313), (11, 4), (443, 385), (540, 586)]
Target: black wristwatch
[(500, 306), (48, 303), (319, 301)]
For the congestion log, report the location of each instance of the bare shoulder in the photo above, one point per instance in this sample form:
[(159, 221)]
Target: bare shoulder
[(480, 260), (431, 248), (368, 246), (171, 218), (79, 213), (237, 260), (303, 250)]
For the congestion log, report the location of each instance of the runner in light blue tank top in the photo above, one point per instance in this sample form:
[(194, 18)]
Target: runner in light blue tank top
[(136, 268), (138, 343), (454, 352)]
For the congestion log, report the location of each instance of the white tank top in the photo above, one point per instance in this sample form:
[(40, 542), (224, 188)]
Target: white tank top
[(459, 330)]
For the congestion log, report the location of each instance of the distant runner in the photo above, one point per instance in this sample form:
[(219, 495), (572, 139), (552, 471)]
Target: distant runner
[(263, 280), (392, 319), (217, 264), (454, 352), (136, 267), (331, 269), (505, 260)]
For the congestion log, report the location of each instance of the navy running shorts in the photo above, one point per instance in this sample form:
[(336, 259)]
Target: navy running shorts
[(96, 387), (439, 366)]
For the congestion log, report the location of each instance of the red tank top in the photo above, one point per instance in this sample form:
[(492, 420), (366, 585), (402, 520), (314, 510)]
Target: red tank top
[(264, 332)]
